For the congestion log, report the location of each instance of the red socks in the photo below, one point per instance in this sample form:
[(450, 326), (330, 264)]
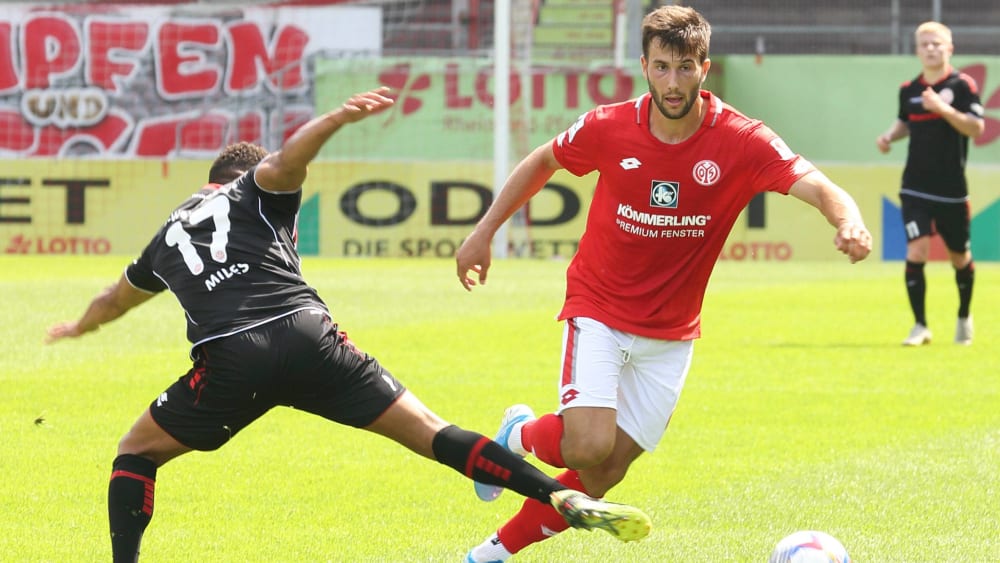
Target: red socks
[(543, 438), (536, 521)]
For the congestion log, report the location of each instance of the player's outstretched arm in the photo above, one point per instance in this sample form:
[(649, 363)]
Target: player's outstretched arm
[(527, 179), (108, 305), (285, 169), (840, 210)]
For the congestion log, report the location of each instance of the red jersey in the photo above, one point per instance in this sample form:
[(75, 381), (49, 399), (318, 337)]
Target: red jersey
[(661, 212)]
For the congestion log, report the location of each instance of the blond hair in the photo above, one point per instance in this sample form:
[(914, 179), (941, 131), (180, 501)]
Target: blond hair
[(936, 28)]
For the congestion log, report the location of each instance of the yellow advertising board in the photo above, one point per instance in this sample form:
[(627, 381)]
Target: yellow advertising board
[(425, 210), (78, 207), (393, 209)]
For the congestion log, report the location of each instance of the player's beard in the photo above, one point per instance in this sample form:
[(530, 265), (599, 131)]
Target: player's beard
[(678, 114)]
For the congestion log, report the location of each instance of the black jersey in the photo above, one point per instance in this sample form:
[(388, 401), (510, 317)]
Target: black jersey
[(935, 163), (228, 255)]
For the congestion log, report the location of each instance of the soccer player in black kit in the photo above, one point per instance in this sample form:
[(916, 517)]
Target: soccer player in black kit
[(939, 110), (261, 337)]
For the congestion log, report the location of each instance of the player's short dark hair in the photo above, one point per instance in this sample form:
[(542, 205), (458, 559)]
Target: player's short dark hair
[(234, 160), (679, 28)]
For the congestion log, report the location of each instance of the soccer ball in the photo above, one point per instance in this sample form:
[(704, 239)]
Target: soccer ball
[(809, 547)]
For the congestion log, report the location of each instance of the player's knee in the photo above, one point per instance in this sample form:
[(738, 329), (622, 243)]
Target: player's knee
[(585, 453), (961, 260), (128, 445)]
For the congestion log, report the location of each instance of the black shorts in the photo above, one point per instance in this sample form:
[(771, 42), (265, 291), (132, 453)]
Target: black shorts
[(924, 217), (301, 361)]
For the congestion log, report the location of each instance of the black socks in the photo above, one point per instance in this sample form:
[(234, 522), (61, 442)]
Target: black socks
[(916, 290), (964, 279), (130, 504), (481, 459)]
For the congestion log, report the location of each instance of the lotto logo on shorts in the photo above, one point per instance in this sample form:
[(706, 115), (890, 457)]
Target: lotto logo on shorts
[(569, 396)]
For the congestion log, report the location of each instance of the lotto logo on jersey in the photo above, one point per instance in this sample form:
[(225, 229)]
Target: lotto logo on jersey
[(664, 194)]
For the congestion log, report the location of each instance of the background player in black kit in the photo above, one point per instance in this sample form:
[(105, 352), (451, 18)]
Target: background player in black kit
[(261, 337), (939, 110)]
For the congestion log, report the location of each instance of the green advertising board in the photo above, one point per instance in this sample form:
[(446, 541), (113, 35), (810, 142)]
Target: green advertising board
[(827, 108), (444, 108), (831, 108)]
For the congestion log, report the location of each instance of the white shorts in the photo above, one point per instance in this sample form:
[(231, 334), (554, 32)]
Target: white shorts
[(640, 377)]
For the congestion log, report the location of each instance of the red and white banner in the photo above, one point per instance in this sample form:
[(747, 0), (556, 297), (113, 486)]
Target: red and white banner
[(118, 80)]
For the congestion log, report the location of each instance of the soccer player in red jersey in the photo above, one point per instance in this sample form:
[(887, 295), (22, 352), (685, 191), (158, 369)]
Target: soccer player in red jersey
[(262, 337), (676, 166), (939, 111)]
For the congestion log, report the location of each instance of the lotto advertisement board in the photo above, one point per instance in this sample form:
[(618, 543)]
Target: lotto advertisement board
[(444, 109), (385, 208), (88, 207)]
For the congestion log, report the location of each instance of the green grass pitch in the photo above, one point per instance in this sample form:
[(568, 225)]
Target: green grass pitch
[(801, 411)]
